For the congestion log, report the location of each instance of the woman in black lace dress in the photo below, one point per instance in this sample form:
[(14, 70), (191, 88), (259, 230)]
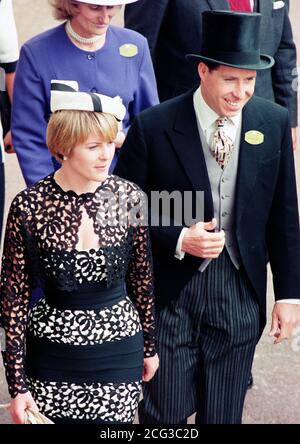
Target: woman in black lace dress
[(80, 354)]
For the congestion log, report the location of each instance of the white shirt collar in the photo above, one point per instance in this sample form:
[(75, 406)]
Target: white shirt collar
[(206, 115)]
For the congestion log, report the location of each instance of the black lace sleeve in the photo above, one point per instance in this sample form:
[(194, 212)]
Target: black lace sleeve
[(140, 286), (15, 291), (139, 282)]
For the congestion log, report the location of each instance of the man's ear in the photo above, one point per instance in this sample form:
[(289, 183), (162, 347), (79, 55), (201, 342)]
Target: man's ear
[(202, 70)]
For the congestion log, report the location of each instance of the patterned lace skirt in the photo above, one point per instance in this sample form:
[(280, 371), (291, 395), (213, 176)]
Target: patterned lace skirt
[(84, 355)]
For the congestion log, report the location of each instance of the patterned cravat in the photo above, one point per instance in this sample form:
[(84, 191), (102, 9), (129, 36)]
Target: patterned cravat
[(222, 145), (240, 5)]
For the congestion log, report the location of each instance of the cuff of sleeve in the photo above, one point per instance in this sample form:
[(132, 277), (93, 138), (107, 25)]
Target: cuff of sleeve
[(149, 345), (288, 301), (149, 353), (178, 253), (149, 350), (17, 391), (9, 67)]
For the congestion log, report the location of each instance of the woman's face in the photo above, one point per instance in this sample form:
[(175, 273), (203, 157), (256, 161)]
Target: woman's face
[(93, 20), (91, 159)]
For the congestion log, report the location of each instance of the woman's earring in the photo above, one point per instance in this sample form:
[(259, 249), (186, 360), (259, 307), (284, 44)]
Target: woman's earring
[(65, 158)]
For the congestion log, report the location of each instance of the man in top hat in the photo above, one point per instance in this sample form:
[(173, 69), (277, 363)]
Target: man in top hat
[(210, 276)]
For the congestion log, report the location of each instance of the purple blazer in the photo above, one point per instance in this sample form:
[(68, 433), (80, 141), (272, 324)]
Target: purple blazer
[(51, 55)]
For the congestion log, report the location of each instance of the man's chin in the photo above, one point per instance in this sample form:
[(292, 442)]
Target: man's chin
[(232, 111)]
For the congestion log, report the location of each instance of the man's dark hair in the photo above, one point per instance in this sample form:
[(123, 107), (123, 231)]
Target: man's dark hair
[(212, 66)]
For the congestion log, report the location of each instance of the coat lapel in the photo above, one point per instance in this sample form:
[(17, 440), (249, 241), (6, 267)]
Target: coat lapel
[(185, 139), (250, 158)]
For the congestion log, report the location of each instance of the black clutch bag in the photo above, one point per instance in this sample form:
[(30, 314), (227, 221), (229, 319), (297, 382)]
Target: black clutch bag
[(5, 111)]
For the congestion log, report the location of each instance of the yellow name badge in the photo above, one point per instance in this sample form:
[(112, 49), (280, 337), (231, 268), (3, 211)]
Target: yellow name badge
[(128, 50), (254, 137)]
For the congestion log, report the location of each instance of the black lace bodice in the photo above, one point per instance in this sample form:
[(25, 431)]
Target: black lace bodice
[(40, 247)]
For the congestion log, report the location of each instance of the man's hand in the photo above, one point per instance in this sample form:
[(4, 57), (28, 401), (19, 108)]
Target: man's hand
[(284, 319), (150, 367), (294, 138), (200, 241)]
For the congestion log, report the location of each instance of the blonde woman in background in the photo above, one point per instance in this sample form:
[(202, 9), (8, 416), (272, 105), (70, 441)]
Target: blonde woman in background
[(99, 56)]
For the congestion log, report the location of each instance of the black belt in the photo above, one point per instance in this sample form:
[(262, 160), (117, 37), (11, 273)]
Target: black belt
[(87, 296)]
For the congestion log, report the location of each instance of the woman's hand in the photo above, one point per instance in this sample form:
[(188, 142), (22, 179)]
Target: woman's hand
[(150, 367), (18, 406)]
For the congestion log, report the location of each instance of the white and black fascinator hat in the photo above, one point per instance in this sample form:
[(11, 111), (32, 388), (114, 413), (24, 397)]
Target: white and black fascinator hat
[(65, 95)]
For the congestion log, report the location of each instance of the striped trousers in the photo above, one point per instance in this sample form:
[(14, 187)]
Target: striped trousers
[(206, 341)]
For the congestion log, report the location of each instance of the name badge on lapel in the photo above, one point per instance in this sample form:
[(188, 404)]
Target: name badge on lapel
[(254, 137), (128, 50)]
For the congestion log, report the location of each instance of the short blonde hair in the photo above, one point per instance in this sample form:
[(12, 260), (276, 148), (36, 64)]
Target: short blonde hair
[(64, 9), (67, 129)]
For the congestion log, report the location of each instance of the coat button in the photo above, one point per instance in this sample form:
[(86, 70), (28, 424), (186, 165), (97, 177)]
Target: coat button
[(90, 56), (94, 90)]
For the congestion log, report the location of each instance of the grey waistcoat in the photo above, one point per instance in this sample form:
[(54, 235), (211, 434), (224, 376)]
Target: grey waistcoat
[(223, 188)]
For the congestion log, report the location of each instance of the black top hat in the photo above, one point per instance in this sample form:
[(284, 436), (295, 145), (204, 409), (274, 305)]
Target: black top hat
[(232, 39)]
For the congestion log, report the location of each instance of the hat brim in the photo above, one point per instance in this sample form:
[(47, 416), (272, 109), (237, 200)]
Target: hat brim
[(266, 62), (107, 2)]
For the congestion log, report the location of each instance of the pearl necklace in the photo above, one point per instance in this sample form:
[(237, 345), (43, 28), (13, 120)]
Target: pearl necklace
[(84, 40)]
